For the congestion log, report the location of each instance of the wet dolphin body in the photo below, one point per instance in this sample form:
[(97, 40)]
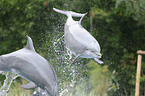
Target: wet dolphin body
[(31, 66), (78, 40)]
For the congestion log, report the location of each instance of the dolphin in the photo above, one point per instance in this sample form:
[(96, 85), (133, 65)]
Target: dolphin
[(32, 67), (78, 40)]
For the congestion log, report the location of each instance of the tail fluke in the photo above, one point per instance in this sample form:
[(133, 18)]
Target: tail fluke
[(77, 14), (69, 13), (60, 11)]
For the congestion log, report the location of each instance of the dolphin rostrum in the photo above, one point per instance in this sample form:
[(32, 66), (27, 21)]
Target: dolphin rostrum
[(78, 40), (31, 66)]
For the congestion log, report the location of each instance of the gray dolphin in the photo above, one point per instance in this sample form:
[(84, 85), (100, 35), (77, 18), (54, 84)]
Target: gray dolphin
[(31, 66), (78, 40)]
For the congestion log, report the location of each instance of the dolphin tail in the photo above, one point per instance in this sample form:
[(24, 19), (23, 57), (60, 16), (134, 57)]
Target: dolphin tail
[(77, 14), (98, 61), (69, 13)]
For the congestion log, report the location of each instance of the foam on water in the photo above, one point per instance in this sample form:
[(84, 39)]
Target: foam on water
[(67, 56)]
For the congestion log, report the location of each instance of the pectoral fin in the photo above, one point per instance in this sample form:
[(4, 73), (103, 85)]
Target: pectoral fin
[(30, 85), (75, 59), (98, 61)]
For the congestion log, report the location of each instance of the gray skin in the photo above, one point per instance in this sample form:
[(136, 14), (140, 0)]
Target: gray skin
[(31, 66), (78, 40)]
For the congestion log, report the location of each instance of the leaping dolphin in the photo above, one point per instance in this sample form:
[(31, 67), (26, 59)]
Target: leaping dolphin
[(78, 40), (31, 66)]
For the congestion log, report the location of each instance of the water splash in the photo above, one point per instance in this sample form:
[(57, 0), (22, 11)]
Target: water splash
[(65, 55), (40, 92), (7, 82)]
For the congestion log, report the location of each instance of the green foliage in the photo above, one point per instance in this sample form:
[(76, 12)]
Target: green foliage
[(134, 8), (99, 79), (120, 36)]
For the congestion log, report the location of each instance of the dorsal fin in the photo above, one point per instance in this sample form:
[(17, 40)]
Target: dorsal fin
[(30, 44)]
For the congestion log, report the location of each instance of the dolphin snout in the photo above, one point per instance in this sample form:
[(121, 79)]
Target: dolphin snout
[(99, 55)]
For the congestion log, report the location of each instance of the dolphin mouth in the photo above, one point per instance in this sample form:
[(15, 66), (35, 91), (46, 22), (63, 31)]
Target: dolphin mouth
[(99, 55)]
